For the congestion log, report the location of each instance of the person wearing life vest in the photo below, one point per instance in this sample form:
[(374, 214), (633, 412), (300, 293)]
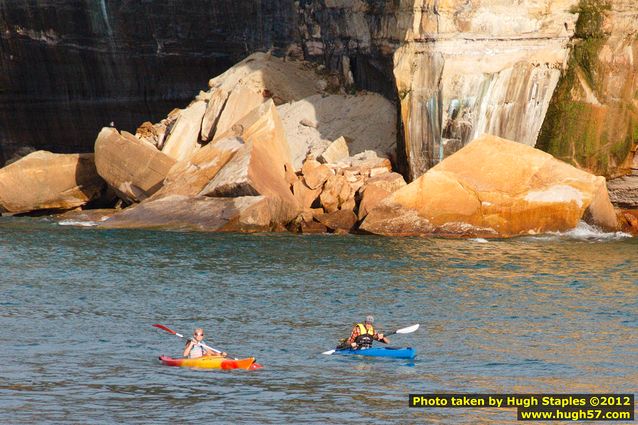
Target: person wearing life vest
[(364, 333), (195, 346)]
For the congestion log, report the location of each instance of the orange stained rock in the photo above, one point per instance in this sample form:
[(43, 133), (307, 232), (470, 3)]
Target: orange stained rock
[(496, 187)]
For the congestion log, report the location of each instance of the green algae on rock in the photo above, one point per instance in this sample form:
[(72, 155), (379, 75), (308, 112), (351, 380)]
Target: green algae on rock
[(592, 121)]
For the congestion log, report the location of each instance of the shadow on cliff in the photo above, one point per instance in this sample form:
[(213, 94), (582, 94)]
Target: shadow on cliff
[(71, 68)]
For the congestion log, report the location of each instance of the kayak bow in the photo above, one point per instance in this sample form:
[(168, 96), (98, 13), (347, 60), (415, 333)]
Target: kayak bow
[(212, 362), (393, 352)]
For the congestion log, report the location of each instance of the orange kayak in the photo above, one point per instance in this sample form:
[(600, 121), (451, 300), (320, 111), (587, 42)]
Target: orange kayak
[(211, 362)]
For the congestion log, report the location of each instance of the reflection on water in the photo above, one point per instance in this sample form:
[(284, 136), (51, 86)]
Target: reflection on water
[(543, 314)]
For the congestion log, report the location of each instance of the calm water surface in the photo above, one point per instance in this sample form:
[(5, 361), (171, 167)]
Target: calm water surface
[(545, 314)]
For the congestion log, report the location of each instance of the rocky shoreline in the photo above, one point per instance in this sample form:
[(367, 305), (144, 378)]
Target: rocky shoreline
[(272, 146)]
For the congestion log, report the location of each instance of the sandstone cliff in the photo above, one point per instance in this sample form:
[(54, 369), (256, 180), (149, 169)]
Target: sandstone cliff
[(592, 121), (455, 68), (467, 69)]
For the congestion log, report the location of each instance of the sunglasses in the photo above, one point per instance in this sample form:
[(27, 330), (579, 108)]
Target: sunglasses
[(199, 334)]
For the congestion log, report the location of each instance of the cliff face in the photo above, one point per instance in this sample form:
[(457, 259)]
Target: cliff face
[(465, 68), (354, 38), (472, 68), (456, 68), (69, 67), (592, 121)]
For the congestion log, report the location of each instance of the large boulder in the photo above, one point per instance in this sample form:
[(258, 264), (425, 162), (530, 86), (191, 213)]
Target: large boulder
[(390, 182), (259, 166), (216, 104), (47, 181), (133, 168), (623, 191), (183, 139), (336, 194), (188, 178), (376, 189), (283, 81), (370, 197), (495, 187), (250, 83), (336, 151), (365, 164), (315, 174), (238, 104), (156, 134), (628, 220), (242, 214), (366, 121), (305, 196), (341, 220)]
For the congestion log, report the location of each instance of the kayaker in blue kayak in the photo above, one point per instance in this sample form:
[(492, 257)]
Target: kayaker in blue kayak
[(364, 333), (195, 348)]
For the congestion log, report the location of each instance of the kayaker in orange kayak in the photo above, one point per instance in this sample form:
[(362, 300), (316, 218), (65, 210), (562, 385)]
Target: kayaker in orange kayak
[(364, 333), (195, 348)]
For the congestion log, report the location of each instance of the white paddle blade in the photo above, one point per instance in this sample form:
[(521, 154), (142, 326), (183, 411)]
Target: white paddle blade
[(329, 352), (409, 329)]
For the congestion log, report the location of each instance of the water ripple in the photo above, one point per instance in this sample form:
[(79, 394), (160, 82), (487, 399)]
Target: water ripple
[(555, 313)]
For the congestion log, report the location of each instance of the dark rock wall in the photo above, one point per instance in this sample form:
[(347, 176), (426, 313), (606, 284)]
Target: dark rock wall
[(356, 36), (69, 67)]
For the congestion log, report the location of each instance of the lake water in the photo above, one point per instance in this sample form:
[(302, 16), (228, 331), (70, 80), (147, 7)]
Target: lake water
[(555, 313)]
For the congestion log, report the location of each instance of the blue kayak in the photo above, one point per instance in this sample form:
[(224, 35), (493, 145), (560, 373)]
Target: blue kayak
[(394, 352)]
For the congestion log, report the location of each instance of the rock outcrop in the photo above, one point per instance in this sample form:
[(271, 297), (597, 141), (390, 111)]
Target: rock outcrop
[(240, 214), (259, 166), (183, 140), (498, 188), (376, 190), (314, 173), (457, 68), (623, 191), (133, 168), (217, 148), (592, 121), (250, 83), (238, 182), (189, 178), (335, 152), (628, 221), (334, 197), (341, 221), (47, 181), (472, 68)]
